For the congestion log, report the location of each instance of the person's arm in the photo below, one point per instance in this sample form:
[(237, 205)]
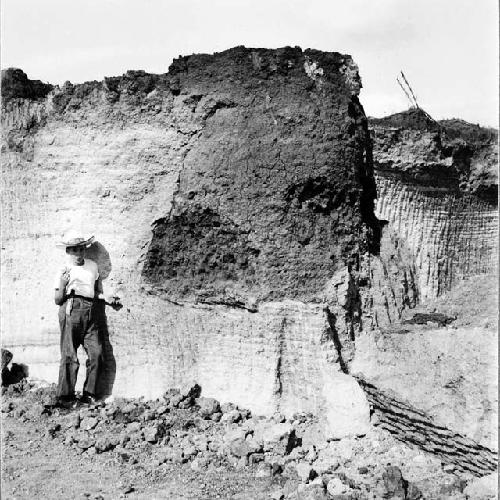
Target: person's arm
[(98, 289), (60, 291), (114, 302)]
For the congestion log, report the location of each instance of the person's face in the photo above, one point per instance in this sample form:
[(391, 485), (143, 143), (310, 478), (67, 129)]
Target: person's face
[(76, 254)]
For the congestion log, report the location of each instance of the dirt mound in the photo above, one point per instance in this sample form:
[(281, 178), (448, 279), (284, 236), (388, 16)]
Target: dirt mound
[(453, 155), (152, 444), (15, 84), (413, 119), (456, 128)]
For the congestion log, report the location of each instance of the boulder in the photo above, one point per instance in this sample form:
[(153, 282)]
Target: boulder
[(328, 459), (190, 389), (336, 487), (394, 483), (104, 444), (309, 492), (133, 427), (128, 408), (264, 470), (239, 447), (279, 438), (227, 407), (88, 423), (314, 435), (253, 444), (207, 406), (347, 409), (154, 433), (398, 487), (231, 416), (305, 472), (86, 442)]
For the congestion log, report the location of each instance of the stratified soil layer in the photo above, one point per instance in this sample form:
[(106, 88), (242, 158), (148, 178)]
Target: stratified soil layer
[(235, 207)]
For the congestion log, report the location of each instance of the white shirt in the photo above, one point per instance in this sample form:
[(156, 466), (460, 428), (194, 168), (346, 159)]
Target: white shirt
[(81, 278)]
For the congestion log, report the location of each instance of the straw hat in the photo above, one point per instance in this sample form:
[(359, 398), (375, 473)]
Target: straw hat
[(74, 239)]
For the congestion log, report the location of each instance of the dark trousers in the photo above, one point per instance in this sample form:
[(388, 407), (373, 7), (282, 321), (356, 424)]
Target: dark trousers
[(79, 326)]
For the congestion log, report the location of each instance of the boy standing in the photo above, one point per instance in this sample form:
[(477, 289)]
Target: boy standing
[(77, 287)]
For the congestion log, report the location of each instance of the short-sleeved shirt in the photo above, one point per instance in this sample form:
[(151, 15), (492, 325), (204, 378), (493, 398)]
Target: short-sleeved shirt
[(81, 278)]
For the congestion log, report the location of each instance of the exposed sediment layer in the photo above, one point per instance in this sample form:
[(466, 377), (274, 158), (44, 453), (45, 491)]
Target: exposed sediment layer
[(449, 156), (437, 189), (253, 169), (413, 426), (233, 201), (447, 372), (450, 236)]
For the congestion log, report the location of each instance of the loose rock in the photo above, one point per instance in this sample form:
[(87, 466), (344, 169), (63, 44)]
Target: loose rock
[(88, 423), (305, 472), (208, 406)]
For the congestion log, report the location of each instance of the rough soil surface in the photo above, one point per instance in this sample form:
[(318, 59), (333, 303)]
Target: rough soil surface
[(37, 467), (442, 358), (182, 447), (449, 155)]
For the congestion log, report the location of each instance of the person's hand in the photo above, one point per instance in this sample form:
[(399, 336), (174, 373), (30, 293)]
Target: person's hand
[(64, 278), (113, 301)]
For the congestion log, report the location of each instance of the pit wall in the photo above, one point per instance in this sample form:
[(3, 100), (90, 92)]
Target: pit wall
[(113, 168), (115, 171), (450, 237), (268, 361), (86, 178)]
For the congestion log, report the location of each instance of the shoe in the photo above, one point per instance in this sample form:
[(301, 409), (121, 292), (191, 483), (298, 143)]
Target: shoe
[(87, 399), (65, 402)]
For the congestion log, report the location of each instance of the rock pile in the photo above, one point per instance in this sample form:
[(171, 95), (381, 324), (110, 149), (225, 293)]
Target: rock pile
[(185, 429)]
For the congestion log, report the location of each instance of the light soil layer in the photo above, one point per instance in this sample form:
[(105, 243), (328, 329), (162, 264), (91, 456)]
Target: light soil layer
[(449, 372), (450, 236), (457, 387)]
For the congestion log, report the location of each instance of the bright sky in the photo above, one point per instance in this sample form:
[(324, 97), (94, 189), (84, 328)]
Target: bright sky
[(448, 49)]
